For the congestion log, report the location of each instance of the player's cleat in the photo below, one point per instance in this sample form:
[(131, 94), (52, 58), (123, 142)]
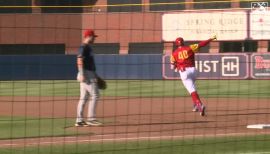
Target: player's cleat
[(195, 108), (80, 124), (202, 112), (94, 123)]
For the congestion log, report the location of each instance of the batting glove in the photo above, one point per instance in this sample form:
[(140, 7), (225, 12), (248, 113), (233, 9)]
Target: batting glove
[(214, 37)]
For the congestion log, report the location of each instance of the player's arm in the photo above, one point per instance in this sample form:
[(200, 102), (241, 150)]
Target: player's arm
[(80, 64), (196, 47), (173, 62)]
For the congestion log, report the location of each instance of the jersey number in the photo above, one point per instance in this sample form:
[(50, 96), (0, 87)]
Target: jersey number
[(183, 55)]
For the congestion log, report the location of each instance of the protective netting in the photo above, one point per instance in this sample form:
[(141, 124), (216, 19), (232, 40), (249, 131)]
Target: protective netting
[(145, 108)]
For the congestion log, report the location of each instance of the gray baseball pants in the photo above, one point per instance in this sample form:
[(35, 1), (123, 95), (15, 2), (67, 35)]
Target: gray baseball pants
[(88, 93)]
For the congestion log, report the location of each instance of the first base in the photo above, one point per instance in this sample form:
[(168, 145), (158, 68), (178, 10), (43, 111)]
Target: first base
[(259, 126)]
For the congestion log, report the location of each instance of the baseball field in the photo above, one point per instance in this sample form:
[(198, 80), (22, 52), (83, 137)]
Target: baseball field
[(140, 116)]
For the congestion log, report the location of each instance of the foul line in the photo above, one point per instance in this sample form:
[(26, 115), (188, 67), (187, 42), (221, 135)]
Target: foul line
[(109, 138)]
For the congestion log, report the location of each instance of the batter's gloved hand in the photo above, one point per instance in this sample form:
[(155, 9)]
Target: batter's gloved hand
[(214, 37), (101, 83)]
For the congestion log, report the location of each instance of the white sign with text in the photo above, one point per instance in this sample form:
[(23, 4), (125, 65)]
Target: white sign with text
[(201, 25), (260, 25)]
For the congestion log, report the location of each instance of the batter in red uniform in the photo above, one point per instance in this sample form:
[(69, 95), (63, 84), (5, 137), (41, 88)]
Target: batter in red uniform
[(183, 59)]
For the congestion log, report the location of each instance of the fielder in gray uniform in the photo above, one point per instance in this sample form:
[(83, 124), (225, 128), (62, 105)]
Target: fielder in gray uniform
[(88, 82)]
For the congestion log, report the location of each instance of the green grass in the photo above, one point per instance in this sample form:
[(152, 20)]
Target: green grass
[(140, 88), (39, 88), (222, 145), (20, 127)]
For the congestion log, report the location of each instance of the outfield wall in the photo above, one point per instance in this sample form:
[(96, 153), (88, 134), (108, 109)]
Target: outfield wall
[(37, 67), (63, 67)]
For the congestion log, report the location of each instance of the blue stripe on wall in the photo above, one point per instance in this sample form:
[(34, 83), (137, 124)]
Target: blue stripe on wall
[(63, 67)]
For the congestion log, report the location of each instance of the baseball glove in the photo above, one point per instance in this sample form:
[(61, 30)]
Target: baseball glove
[(101, 83)]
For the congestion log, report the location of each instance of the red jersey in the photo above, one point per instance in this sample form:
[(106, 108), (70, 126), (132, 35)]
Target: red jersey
[(184, 56)]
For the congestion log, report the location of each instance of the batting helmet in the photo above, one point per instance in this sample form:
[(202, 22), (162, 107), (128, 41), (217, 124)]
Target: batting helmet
[(179, 41)]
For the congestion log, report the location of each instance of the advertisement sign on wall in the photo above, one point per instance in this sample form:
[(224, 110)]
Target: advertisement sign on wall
[(260, 25), (201, 25), (213, 66), (260, 66)]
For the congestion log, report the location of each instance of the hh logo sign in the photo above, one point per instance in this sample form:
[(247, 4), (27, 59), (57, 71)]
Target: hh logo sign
[(213, 66), (230, 66)]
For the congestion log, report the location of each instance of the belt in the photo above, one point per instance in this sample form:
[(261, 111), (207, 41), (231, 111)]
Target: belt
[(183, 69)]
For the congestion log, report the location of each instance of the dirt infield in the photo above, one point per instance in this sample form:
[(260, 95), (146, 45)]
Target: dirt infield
[(133, 118)]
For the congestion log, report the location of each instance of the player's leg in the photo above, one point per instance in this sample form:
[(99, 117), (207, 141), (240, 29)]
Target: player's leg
[(92, 88), (188, 78), (200, 106), (84, 95), (194, 94), (196, 99), (188, 84), (94, 92)]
